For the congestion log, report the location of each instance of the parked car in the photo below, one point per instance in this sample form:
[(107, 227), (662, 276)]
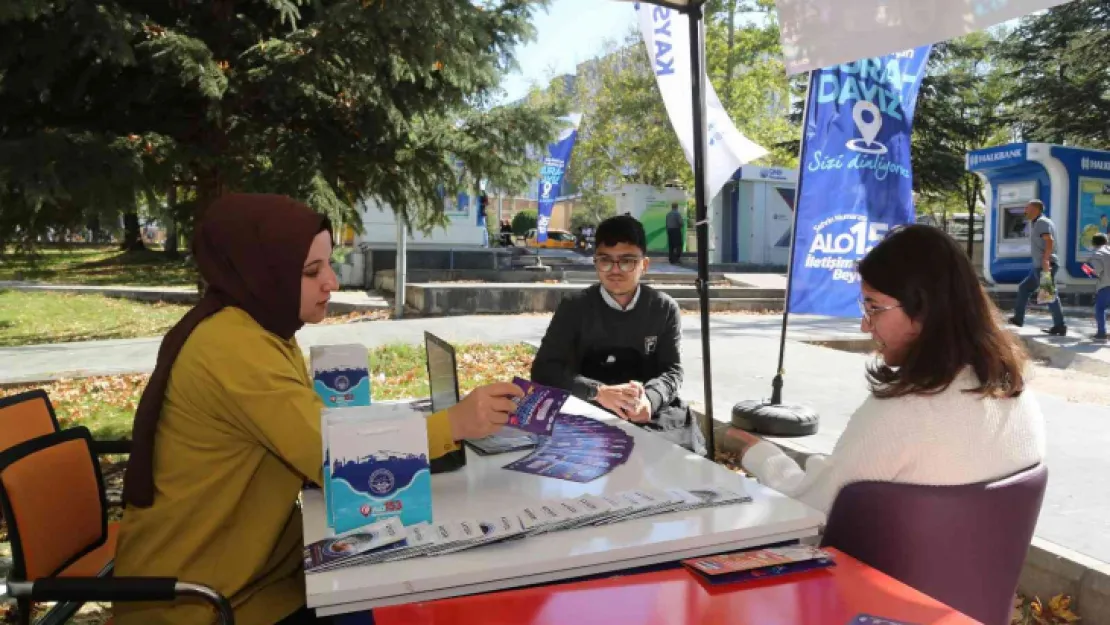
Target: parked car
[(556, 239)]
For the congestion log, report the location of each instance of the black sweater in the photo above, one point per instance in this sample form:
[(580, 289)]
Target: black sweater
[(590, 343)]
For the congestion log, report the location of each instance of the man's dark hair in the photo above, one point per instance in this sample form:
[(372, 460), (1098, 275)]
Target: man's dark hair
[(674, 205), (621, 229), (1099, 239)]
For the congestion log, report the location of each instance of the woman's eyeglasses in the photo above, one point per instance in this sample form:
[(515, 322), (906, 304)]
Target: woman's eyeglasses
[(868, 311), (627, 264)]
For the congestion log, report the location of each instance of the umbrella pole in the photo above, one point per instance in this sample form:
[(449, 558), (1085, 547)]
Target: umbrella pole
[(697, 89)]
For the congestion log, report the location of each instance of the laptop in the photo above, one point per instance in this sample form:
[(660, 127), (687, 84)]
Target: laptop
[(443, 382), (443, 374)]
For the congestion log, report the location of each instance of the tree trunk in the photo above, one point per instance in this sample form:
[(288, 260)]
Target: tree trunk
[(94, 229), (970, 199), (975, 184), (171, 222), (132, 234)]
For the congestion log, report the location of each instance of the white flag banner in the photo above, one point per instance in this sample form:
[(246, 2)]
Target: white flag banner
[(822, 33), (666, 34)]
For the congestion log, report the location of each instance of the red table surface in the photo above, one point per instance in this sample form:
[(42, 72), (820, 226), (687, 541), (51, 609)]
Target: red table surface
[(833, 596)]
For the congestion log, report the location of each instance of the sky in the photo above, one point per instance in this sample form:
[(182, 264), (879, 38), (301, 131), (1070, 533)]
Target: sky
[(567, 33)]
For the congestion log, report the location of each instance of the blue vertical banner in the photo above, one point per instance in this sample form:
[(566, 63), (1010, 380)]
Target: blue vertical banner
[(855, 178), (552, 172)]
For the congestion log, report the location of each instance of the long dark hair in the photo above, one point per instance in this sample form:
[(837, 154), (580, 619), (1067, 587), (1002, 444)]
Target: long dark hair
[(933, 280)]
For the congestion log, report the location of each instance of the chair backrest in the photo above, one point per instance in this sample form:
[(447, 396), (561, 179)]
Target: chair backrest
[(25, 416), (962, 545), (53, 500)]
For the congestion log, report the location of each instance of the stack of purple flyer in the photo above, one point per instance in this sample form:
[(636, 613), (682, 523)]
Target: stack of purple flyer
[(580, 449)]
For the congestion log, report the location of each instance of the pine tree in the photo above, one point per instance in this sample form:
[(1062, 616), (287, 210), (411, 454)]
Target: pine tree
[(961, 108), (1061, 92), (105, 105)]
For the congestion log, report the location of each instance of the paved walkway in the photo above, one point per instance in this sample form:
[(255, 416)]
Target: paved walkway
[(745, 350)]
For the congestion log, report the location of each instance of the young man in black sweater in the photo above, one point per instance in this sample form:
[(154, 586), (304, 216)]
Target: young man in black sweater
[(618, 343)]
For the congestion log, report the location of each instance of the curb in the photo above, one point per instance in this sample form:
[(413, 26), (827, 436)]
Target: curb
[(176, 296), (1049, 569), (1062, 357), (50, 378), (1052, 569)]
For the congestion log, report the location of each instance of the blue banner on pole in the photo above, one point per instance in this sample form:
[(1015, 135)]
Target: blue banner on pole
[(856, 180), (551, 176)]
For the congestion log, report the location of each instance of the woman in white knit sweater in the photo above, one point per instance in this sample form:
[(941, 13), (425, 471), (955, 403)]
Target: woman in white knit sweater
[(949, 403)]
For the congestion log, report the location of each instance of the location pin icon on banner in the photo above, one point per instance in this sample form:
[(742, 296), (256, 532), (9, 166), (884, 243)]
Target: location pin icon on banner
[(869, 130)]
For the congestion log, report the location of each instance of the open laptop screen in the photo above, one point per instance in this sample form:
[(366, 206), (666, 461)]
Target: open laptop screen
[(443, 377)]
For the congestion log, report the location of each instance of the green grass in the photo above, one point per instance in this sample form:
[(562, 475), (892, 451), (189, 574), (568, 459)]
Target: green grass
[(33, 318), (106, 405), (399, 371), (97, 266)]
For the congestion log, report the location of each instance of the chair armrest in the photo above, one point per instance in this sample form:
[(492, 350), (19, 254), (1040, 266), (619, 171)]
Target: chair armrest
[(116, 589), (103, 589), (106, 448)]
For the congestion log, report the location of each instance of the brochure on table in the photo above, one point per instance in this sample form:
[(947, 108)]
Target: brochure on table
[(389, 541), (341, 374), (378, 466)]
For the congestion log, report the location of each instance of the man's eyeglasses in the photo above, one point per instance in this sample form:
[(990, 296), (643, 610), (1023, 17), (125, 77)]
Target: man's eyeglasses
[(868, 311), (627, 264)]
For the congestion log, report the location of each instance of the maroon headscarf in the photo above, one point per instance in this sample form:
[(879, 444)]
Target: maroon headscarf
[(250, 249)]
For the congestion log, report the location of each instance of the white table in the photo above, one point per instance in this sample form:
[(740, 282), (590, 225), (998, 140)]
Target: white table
[(483, 487)]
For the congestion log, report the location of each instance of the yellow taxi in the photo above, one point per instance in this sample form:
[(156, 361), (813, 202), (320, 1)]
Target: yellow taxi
[(556, 239)]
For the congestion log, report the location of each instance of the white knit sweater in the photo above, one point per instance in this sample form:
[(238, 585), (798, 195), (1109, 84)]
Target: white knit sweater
[(946, 439)]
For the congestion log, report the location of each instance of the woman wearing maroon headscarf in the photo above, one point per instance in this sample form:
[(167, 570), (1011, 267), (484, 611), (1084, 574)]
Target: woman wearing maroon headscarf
[(228, 428)]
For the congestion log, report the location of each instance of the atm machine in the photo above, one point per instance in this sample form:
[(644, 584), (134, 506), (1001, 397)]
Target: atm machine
[(753, 215), (1074, 185)]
